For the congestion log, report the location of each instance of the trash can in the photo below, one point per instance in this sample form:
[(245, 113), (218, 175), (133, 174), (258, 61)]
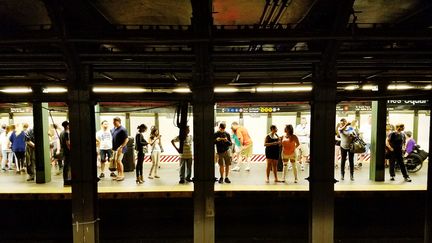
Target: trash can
[(129, 156)]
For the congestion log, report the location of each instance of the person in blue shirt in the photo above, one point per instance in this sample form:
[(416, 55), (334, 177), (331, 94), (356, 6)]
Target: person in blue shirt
[(17, 140), (120, 140)]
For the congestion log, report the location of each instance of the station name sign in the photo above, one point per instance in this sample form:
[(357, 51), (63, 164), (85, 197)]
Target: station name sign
[(21, 110), (260, 109)]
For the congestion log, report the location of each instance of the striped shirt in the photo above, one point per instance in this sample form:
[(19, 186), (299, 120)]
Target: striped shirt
[(187, 147)]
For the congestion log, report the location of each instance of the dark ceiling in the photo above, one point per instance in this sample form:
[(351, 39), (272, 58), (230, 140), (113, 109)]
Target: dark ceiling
[(149, 43)]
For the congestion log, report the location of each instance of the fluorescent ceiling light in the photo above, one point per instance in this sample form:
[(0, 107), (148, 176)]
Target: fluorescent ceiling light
[(54, 90), (284, 89), (119, 90), (370, 87), (226, 90), (182, 90), (352, 87), (428, 87), (399, 87), (368, 57), (16, 90)]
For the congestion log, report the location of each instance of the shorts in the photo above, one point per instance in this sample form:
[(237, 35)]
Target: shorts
[(105, 155), (290, 157), (117, 156), (224, 157), (246, 151), (303, 149)]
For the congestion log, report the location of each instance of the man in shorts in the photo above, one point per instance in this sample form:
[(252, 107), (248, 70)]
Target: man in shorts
[(119, 142), (302, 131), (246, 148), (104, 145), (223, 144)]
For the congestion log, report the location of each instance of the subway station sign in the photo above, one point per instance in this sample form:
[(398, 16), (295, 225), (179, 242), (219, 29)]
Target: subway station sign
[(261, 109), (345, 106)]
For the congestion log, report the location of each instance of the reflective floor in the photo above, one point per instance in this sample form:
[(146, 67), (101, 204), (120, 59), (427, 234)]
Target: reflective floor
[(253, 180)]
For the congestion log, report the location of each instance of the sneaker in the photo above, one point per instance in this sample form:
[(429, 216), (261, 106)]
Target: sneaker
[(188, 179), (150, 177), (59, 172), (113, 174), (156, 176), (102, 175), (237, 168), (392, 178), (120, 178), (3, 169), (342, 178), (227, 180), (220, 180), (407, 179), (182, 181), (247, 168), (295, 181), (352, 178), (30, 178)]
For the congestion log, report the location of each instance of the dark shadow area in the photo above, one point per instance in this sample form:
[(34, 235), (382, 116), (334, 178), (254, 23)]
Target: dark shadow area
[(240, 217)]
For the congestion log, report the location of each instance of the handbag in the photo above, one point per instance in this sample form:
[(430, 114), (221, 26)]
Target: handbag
[(112, 165), (357, 146)]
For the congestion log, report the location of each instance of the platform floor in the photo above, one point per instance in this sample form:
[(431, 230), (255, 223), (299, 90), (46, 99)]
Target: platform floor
[(254, 180)]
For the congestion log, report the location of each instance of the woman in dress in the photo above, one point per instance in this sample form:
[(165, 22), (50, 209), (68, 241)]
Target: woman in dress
[(156, 149), (272, 143)]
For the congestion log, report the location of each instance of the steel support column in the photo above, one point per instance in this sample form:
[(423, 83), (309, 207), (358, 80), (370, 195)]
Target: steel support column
[(83, 157), (428, 214), (203, 113), (377, 148), (203, 109), (40, 128), (321, 178)]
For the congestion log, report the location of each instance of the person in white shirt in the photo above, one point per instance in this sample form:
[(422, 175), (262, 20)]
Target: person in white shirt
[(104, 144), (302, 131), (6, 162)]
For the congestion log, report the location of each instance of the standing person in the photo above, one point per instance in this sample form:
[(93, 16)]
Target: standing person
[(290, 143), (119, 142), (30, 154), (272, 152), (395, 142), (235, 150), (303, 133), (354, 125), (185, 156), (18, 148), (2, 131), (156, 150), (6, 162), (56, 152), (223, 143), (246, 145), (337, 146), (65, 151), (347, 134), (389, 129), (140, 143), (104, 145)]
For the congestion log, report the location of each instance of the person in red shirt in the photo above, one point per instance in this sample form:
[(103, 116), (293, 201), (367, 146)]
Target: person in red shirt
[(246, 144), (290, 143)]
